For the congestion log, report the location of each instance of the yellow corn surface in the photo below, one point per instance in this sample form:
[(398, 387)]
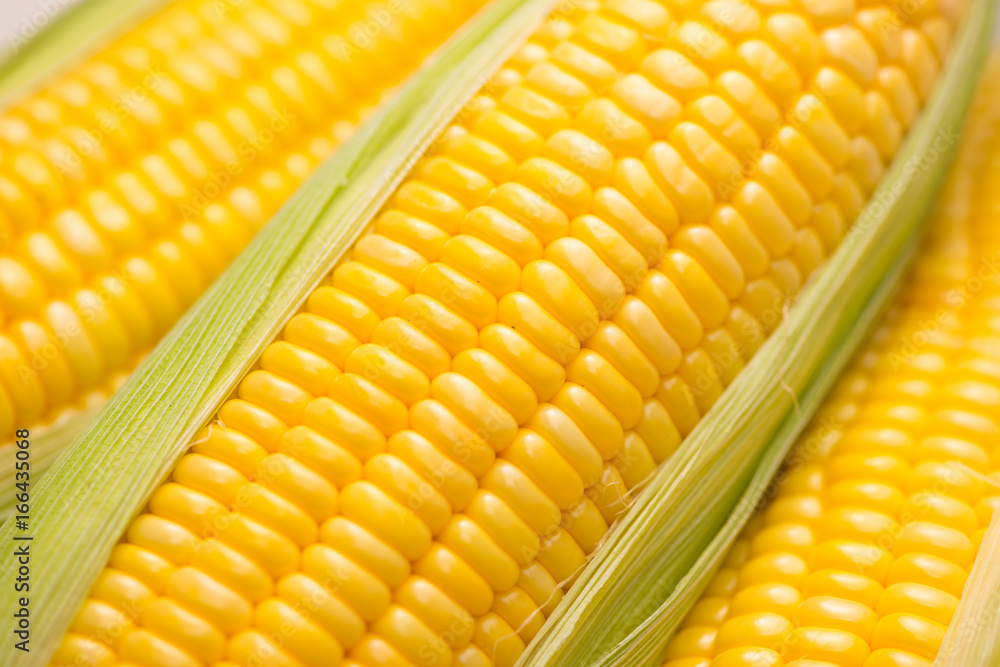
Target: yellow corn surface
[(861, 556), (562, 287), (128, 184)]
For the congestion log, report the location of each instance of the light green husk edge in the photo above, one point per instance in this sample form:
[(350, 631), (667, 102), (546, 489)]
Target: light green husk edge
[(27, 62), (46, 446), (630, 600), (84, 503)]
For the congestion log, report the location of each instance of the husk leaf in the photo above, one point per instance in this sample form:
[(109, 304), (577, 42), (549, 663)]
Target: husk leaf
[(46, 447)]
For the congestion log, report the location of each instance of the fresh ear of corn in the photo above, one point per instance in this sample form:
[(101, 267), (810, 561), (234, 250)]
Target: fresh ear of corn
[(863, 552), (441, 435), (128, 183)]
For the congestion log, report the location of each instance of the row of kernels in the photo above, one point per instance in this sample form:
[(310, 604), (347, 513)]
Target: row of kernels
[(103, 78), (245, 32), (179, 175), (98, 329), (188, 162), (57, 261)]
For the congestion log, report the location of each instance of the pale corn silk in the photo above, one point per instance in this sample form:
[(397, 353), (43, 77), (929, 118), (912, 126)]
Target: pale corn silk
[(861, 556), (427, 455), (130, 182)]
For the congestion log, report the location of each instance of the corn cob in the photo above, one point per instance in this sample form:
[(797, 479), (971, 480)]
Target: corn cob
[(442, 435), (130, 182), (861, 556)]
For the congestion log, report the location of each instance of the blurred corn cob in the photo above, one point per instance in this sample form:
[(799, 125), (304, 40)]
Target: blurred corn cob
[(861, 556), (129, 183)]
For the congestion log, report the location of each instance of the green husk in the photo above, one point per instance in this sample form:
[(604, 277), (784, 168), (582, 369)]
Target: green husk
[(644, 579), (87, 498), (28, 61), (46, 447), (973, 638)]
